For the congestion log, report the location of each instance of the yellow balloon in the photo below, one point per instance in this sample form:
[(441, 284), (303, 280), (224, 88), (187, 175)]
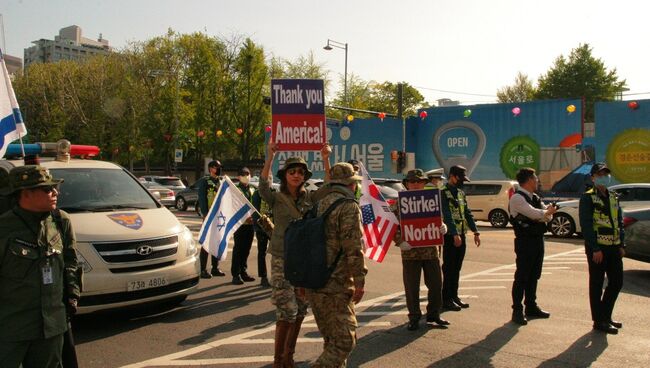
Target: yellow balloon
[(571, 108), (350, 118), (219, 133)]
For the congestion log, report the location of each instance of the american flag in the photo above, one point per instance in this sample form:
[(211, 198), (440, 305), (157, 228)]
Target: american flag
[(379, 223)]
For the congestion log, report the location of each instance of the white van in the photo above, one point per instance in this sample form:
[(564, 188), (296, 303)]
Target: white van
[(132, 249)]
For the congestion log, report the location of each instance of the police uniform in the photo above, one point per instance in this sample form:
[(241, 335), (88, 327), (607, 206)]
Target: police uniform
[(602, 228), (528, 218), (208, 187), (38, 275), (332, 305), (458, 218), (243, 243)]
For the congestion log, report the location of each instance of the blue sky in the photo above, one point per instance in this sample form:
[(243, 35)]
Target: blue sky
[(468, 46)]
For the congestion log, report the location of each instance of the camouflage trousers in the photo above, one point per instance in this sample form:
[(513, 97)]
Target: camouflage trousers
[(283, 295), (334, 314)]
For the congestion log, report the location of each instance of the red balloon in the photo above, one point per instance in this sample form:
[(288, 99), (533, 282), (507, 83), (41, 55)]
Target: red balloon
[(200, 134), (240, 131), (423, 115), (633, 105), (167, 137), (382, 115), (267, 128)]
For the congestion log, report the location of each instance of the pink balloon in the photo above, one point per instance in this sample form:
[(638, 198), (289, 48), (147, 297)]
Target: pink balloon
[(516, 111)]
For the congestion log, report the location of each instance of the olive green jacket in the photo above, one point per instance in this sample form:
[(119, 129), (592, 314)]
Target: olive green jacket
[(29, 308)]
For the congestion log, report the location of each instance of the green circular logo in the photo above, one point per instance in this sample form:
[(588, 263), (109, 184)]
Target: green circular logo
[(628, 156), (520, 151)]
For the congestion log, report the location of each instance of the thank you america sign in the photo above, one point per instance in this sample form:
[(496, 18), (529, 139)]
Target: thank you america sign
[(420, 219), (298, 114)]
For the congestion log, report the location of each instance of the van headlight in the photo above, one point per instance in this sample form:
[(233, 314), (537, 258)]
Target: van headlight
[(188, 240), (81, 262)]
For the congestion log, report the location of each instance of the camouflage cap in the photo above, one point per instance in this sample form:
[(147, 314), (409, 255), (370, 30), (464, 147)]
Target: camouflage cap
[(415, 175), (343, 173), (31, 176), (292, 162), (5, 188)]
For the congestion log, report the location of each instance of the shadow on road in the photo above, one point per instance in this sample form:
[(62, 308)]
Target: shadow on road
[(582, 353), (636, 282), (101, 325), (480, 354)]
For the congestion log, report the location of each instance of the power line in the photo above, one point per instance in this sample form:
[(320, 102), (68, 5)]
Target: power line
[(455, 92)]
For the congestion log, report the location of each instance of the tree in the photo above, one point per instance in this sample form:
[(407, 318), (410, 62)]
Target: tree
[(522, 90), (581, 75)]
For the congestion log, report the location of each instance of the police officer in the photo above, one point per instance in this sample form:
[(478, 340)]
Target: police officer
[(529, 216), (38, 272), (244, 235), (418, 261), (208, 187), (601, 220), (436, 178), (333, 305), (458, 218)]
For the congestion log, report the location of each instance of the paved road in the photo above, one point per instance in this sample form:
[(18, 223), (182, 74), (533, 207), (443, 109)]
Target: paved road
[(224, 325)]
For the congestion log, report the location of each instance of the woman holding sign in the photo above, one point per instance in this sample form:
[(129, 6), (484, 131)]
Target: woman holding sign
[(287, 204), (420, 259)]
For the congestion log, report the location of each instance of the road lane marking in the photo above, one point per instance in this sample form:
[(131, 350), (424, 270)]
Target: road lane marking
[(175, 359)]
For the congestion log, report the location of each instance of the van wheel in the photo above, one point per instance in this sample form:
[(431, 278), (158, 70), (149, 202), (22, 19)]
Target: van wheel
[(181, 205), (498, 218), (562, 225)]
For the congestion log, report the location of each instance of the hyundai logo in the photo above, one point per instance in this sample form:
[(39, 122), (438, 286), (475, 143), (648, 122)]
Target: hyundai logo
[(144, 250)]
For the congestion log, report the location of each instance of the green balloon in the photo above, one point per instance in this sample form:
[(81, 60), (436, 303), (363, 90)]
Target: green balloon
[(467, 113)]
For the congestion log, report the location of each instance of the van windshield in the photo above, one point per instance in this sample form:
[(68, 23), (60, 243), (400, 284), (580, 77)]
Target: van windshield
[(97, 190)]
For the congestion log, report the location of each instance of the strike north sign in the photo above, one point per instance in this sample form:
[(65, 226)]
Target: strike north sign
[(420, 219), (298, 114)]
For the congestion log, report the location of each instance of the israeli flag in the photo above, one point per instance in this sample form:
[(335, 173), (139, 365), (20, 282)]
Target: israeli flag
[(11, 122), (228, 212)]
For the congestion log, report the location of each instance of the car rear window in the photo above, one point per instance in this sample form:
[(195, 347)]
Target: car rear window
[(482, 189), (170, 182)]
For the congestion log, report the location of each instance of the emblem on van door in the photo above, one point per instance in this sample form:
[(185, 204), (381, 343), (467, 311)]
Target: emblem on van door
[(144, 250), (130, 220)]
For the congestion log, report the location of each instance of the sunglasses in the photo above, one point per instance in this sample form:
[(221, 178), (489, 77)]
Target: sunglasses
[(296, 171), (49, 189)]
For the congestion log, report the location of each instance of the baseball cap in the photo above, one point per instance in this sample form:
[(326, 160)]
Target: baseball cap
[(598, 167), (459, 171)]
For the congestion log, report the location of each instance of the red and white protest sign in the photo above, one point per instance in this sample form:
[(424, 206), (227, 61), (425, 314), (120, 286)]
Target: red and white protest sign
[(298, 114), (420, 219)]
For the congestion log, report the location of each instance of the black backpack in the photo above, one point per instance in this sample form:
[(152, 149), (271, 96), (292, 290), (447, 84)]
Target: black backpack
[(305, 249)]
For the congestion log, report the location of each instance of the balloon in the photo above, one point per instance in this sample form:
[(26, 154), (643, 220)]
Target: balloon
[(467, 113), (239, 131), (200, 134), (633, 105), (167, 137), (516, 111), (381, 115), (350, 118), (267, 128), (219, 133), (571, 109), (423, 115)]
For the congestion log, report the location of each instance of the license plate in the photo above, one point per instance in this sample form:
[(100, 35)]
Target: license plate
[(146, 283)]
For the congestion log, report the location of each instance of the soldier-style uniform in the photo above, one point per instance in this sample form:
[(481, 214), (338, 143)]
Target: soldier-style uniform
[(458, 218), (601, 220), (38, 276), (208, 187), (332, 305)]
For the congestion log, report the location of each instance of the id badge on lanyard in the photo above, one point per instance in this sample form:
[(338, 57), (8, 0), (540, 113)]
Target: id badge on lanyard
[(46, 272)]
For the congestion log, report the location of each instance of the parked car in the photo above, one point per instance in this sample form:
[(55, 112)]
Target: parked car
[(187, 197), (637, 233), (164, 195), (566, 220), (395, 184), (488, 200), (172, 182)]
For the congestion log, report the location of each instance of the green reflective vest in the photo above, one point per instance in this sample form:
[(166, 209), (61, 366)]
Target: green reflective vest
[(605, 225), (457, 207)]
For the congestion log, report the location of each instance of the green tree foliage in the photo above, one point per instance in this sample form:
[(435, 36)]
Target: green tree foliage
[(581, 75), (522, 90)]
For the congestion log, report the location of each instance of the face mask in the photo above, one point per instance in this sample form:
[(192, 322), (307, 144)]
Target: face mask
[(603, 180), (244, 179)]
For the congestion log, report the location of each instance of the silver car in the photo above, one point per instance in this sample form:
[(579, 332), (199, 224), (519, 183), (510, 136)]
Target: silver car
[(637, 233), (164, 195)]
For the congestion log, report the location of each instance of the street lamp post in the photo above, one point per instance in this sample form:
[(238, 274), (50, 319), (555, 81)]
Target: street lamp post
[(158, 72), (343, 46)]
